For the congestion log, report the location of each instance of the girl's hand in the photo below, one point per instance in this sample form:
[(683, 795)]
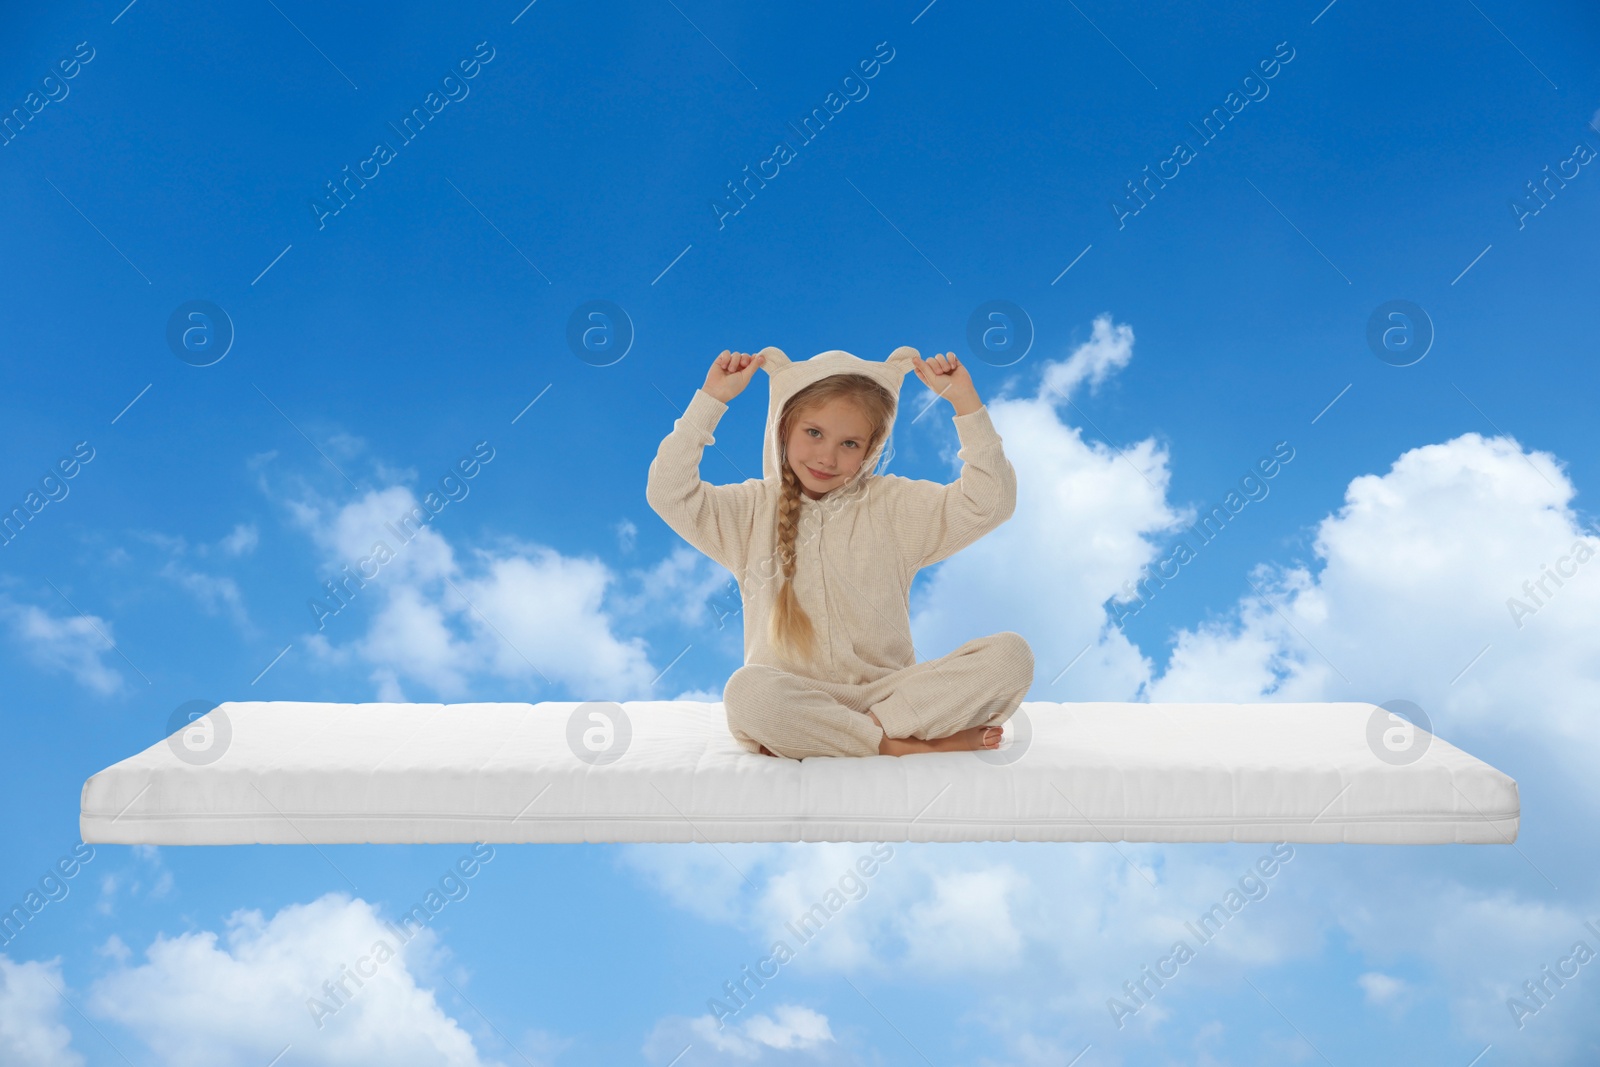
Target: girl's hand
[(946, 376), (730, 373)]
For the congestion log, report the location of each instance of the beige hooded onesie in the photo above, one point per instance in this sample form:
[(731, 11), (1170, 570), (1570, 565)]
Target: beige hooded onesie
[(857, 549)]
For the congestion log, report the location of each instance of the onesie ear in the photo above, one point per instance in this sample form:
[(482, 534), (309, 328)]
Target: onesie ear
[(774, 360), (901, 358)]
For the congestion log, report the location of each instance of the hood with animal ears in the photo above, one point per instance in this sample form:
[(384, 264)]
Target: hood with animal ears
[(789, 377)]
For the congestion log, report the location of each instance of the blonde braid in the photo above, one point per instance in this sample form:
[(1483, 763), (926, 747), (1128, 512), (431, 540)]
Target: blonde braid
[(790, 627)]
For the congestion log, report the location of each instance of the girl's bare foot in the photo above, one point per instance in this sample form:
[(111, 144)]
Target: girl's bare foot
[(974, 737)]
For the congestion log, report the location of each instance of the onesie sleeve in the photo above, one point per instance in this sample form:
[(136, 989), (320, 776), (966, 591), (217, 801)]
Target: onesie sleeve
[(716, 519), (933, 521)]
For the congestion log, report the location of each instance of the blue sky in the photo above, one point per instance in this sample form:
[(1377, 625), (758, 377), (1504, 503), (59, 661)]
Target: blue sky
[(1383, 160)]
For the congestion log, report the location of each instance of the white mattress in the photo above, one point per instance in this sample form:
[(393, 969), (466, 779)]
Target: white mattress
[(294, 772)]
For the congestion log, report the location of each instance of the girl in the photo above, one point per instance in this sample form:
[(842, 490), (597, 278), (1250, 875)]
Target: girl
[(824, 550)]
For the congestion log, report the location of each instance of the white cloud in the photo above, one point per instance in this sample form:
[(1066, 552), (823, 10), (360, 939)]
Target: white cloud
[(242, 540), (31, 1031), (1088, 517), (700, 696), (705, 882), (1109, 349), (73, 644), (1481, 944), (521, 612), (688, 587), (214, 594), (627, 535), (745, 1038), (821, 889), (965, 921), (1413, 576), (793, 1027), (1382, 989), (934, 913), (411, 636), (203, 1002), (115, 948), (548, 609), (1416, 569)]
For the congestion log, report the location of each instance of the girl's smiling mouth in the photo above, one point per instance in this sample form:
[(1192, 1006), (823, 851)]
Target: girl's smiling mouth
[(818, 475)]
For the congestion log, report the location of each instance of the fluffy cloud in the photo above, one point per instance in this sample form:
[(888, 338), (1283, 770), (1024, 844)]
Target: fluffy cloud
[(690, 589), (1108, 349), (31, 1031), (524, 613), (1415, 573), (936, 914), (966, 917), (201, 1001), (1088, 516)]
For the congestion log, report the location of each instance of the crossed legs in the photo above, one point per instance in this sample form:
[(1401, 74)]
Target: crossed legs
[(955, 702), (970, 738)]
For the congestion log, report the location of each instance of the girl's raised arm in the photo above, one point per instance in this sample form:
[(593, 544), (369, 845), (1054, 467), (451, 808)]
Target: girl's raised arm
[(934, 521), (717, 519)]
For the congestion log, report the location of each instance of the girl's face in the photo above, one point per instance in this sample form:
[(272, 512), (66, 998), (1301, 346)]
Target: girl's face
[(826, 445)]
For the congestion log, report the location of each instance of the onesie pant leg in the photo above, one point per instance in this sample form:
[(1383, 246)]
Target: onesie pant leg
[(980, 683), (794, 716)]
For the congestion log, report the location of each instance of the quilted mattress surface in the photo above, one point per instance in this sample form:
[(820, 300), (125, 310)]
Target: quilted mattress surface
[(291, 772)]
